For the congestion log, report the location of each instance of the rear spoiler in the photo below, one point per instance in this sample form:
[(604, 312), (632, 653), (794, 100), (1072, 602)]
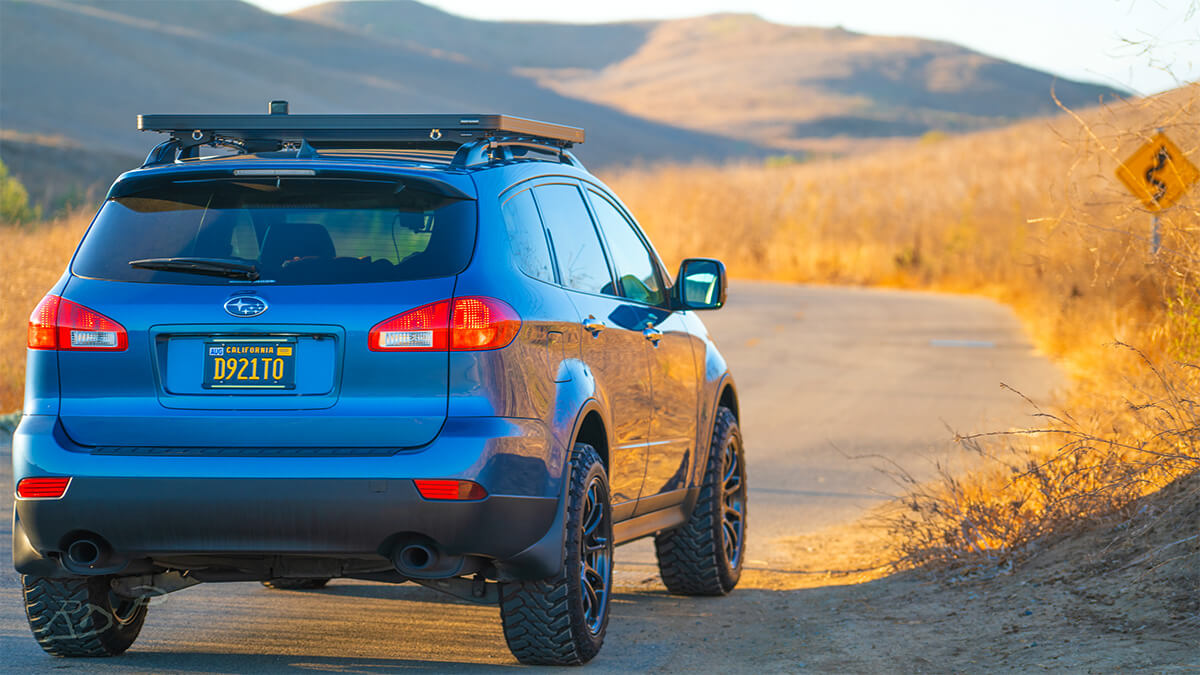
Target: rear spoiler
[(134, 183)]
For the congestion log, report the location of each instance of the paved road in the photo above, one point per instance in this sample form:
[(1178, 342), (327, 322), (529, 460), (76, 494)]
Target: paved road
[(826, 375)]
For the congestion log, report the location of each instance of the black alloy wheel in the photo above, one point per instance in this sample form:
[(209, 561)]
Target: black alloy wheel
[(595, 552)]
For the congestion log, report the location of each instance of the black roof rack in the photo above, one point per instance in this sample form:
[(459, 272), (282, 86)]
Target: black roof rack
[(476, 138)]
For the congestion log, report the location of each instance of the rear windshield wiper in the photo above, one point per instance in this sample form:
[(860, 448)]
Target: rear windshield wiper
[(213, 267)]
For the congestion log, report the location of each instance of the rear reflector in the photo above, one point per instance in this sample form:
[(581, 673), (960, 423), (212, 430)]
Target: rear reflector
[(458, 490), (58, 323), (42, 488)]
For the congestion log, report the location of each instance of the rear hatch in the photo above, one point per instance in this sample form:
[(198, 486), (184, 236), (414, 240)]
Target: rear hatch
[(248, 307)]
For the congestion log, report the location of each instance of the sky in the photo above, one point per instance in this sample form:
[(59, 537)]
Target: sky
[(1143, 46)]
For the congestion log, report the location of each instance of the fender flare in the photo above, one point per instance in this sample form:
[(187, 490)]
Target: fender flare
[(544, 558), (724, 382)]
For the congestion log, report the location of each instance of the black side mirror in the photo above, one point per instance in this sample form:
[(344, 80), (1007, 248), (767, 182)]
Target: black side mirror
[(701, 284)]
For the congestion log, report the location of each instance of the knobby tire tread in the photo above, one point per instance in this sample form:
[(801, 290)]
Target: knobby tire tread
[(65, 618), (536, 615), (691, 557)]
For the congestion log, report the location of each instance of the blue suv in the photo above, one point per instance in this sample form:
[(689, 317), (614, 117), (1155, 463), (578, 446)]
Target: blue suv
[(424, 348)]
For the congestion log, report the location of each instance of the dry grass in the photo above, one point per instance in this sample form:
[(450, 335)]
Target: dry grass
[(1033, 216), (1030, 215), (32, 258)]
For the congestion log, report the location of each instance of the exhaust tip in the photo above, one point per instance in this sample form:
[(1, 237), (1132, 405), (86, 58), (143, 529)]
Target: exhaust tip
[(84, 552), (415, 557)]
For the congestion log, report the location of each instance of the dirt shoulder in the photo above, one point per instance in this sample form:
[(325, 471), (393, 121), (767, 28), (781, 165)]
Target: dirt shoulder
[(1122, 596)]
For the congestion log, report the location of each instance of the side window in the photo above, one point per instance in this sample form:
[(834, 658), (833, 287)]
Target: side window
[(526, 236), (636, 270), (581, 262)]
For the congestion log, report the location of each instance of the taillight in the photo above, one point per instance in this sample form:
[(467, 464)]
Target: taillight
[(424, 329), (458, 490), (58, 323), (482, 323), (43, 332), (466, 324), (42, 488)]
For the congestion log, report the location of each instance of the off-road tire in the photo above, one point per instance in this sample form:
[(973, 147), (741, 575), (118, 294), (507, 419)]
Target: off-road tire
[(81, 616), (545, 621), (692, 558), (296, 584)]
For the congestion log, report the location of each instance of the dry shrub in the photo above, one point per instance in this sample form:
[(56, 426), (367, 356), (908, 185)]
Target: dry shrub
[(32, 257), (1031, 215), (1073, 473)]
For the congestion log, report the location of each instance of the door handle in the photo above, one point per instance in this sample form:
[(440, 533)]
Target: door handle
[(593, 325), (652, 334)]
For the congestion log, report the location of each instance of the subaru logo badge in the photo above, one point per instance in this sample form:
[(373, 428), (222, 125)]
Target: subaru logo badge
[(245, 306)]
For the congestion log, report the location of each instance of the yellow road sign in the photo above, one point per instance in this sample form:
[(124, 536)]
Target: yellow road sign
[(1158, 173)]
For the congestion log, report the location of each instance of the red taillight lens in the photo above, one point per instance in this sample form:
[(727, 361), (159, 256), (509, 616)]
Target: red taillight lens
[(424, 329), (482, 323), (43, 324), (466, 324), (86, 329), (42, 488), (458, 490), (58, 323)]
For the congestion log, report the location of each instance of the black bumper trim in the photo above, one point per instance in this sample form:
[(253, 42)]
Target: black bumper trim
[(163, 518)]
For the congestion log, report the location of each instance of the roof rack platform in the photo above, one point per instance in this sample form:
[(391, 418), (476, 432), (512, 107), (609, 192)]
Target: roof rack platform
[(277, 130)]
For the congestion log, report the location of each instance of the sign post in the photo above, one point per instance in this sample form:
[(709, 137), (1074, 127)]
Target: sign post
[(1158, 174)]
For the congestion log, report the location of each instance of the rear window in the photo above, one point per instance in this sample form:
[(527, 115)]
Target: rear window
[(292, 230)]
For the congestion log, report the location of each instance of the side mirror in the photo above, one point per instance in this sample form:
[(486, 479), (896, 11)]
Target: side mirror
[(701, 284)]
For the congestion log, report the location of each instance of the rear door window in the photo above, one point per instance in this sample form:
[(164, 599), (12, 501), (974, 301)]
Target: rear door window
[(527, 237), (291, 230), (636, 272), (577, 248)]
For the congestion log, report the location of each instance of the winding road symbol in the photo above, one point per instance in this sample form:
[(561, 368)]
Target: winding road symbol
[(1159, 173), (1160, 188)]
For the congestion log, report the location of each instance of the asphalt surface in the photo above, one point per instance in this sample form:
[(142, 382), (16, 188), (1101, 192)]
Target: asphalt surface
[(840, 388)]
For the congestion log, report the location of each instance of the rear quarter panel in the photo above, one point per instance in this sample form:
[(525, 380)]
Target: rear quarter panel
[(540, 374)]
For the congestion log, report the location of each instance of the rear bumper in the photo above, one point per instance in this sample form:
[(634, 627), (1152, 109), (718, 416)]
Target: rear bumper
[(164, 510)]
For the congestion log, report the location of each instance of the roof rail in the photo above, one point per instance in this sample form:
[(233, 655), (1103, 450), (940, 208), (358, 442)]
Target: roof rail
[(307, 133)]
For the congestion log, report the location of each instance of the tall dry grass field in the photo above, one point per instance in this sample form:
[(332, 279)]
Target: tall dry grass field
[(32, 257), (1033, 216)]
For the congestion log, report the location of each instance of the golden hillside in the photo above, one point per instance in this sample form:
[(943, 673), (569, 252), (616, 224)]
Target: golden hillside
[(1032, 215), (737, 75)]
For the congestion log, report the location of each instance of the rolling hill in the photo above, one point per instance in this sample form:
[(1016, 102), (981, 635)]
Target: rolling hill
[(706, 89), (738, 75), (82, 71)]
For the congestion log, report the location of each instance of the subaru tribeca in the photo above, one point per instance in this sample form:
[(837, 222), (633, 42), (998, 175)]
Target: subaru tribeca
[(424, 348)]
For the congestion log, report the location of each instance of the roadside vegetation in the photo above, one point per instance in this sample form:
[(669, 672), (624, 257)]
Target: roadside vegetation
[(14, 200), (32, 256), (1033, 216)]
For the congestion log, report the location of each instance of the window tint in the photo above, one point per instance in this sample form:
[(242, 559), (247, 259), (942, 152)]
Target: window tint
[(526, 236), (581, 262), (299, 231), (635, 267)]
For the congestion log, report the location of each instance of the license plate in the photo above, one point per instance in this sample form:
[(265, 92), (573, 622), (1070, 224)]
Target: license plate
[(250, 364)]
